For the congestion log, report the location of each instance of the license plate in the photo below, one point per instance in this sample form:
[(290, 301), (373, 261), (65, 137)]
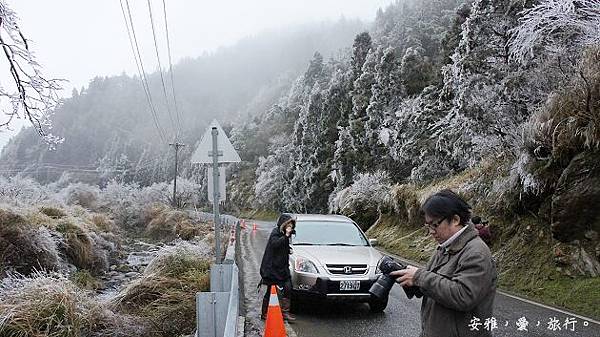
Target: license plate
[(349, 285)]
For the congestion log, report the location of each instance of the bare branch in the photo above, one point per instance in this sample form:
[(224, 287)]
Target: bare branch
[(34, 98)]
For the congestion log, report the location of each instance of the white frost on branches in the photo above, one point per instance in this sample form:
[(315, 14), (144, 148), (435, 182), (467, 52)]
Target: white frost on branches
[(32, 96), (368, 190), (554, 24)]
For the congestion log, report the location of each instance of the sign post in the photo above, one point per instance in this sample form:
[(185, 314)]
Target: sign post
[(215, 172), (215, 148)]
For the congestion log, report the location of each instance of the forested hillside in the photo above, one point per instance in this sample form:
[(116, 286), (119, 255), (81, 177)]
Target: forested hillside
[(497, 99), (108, 129)]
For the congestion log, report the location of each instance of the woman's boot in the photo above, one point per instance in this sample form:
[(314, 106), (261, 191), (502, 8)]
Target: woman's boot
[(285, 310)]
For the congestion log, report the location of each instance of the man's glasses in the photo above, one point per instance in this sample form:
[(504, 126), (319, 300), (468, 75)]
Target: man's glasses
[(434, 224)]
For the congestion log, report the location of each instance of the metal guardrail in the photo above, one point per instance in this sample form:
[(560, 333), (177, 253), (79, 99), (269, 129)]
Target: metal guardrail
[(217, 311)]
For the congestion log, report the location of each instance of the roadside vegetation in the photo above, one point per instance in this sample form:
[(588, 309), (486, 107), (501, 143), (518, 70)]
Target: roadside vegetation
[(58, 243), (165, 294)]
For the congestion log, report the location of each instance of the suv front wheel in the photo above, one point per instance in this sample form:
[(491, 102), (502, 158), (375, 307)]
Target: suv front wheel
[(377, 305)]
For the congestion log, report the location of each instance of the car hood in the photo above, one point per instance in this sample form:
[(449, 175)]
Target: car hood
[(323, 255)]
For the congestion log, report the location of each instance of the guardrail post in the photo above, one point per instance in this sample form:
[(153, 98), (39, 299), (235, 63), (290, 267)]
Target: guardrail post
[(230, 328), (211, 309), (217, 311)]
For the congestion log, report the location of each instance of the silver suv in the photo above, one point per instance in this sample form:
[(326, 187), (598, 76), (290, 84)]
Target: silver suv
[(333, 259)]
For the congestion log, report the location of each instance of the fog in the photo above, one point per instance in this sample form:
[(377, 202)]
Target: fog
[(79, 40)]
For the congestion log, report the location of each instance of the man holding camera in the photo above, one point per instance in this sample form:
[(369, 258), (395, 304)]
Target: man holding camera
[(275, 266), (459, 282)]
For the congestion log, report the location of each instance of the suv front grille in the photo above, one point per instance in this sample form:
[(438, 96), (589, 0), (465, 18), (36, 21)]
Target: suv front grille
[(347, 269)]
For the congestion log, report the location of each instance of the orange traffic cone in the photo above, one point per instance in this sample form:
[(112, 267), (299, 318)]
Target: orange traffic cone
[(254, 227), (274, 326)]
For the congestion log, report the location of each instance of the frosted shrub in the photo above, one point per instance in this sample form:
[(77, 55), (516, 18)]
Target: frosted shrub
[(188, 192), (156, 193), (81, 194), (567, 124), (362, 199), (123, 202), (181, 253), (19, 190)]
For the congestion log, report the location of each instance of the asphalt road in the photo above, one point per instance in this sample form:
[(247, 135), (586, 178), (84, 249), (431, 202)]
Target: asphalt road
[(401, 318)]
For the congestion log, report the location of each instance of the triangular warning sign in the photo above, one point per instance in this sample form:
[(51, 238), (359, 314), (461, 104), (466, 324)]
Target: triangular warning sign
[(203, 153)]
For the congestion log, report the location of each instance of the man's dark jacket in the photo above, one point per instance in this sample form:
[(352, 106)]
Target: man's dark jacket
[(275, 265)]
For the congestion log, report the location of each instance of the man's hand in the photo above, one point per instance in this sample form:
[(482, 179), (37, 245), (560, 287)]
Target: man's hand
[(405, 276)]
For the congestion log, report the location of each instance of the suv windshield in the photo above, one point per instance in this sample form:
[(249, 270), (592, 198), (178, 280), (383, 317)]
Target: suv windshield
[(328, 233)]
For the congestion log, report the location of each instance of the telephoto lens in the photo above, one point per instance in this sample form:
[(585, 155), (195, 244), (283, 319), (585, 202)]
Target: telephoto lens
[(381, 288)]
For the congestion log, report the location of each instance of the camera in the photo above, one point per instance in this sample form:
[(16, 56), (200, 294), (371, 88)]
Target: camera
[(381, 288)]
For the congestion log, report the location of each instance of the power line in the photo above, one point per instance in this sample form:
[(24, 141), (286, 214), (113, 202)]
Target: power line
[(171, 68), (140, 67), (162, 79)]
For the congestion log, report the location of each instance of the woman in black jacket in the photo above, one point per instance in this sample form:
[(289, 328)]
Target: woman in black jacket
[(275, 266)]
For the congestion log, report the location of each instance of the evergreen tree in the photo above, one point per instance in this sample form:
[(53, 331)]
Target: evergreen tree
[(361, 96)]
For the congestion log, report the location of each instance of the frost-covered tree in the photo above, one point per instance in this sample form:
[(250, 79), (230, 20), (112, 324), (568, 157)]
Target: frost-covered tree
[(358, 120), (556, 26), (416, 70), (483, 91), (305, 160), (31, 95), (270, 176), (387, 92), (360, 50), (363, 197)]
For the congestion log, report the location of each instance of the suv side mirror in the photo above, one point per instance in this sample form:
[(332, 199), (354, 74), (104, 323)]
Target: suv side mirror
[(373, 242)]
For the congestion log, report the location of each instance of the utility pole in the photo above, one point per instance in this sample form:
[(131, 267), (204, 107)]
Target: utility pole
[(177, 145)]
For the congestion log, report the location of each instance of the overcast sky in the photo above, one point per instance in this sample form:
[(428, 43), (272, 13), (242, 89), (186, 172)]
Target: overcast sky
[(80, 39)]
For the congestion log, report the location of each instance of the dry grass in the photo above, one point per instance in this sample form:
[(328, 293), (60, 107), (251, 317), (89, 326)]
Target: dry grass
[(45, 305), (103, 222), (85, 280), (165, 293), (49, 305), (25, 247), (85, 248), (166, 224), (77, 245), (52, 212)]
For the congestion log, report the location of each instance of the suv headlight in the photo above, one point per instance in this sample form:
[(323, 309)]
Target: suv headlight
[(305, 265), (377, 270)]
